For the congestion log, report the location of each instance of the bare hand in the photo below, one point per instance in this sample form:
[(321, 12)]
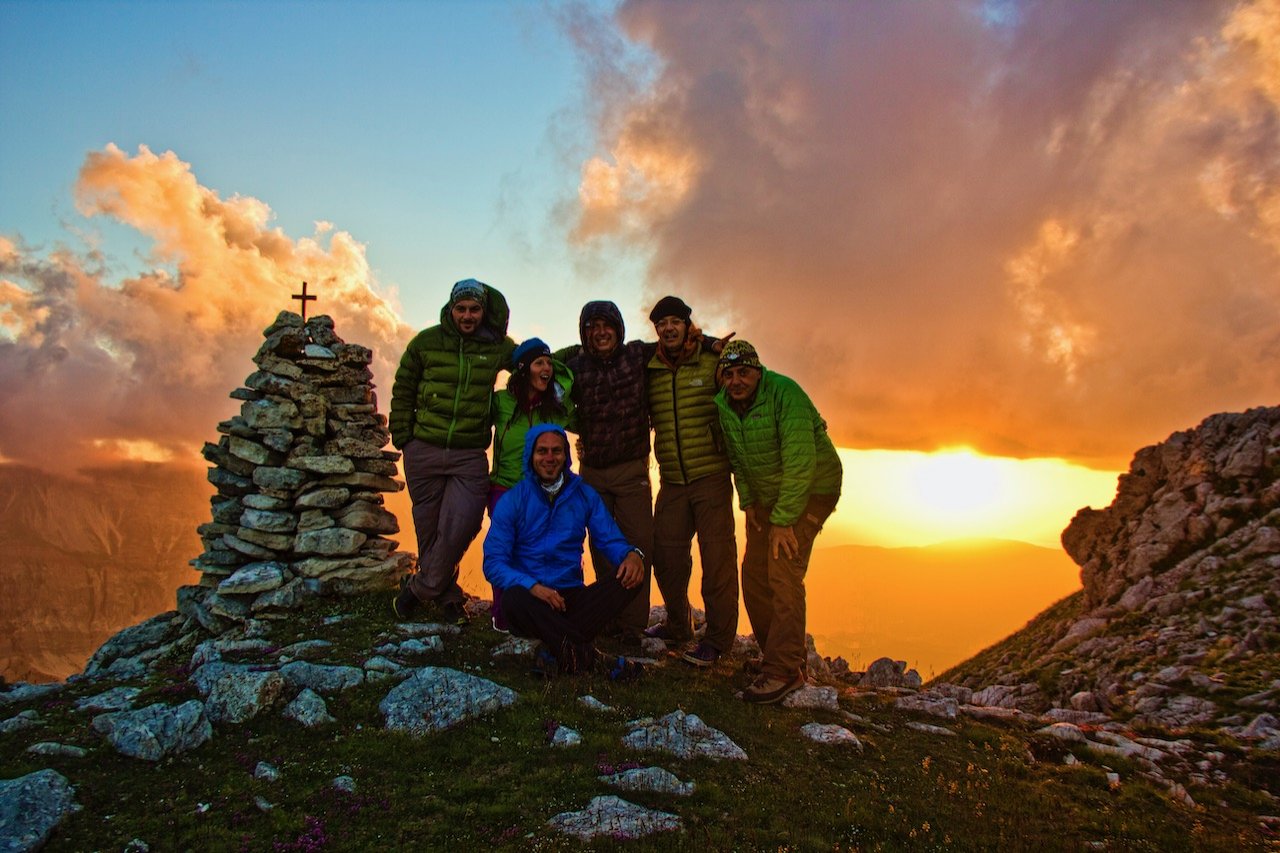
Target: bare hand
[(783, 539), (753, 519), (631, 571), (549, 595), (718, 346)]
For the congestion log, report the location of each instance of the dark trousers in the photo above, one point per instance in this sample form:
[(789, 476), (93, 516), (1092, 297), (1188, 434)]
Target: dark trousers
[(628, 495), (704, 507), (448, 489), (568, 635), (773, 589)]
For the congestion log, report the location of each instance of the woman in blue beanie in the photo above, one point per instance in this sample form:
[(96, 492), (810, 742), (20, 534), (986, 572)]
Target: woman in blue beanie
[(536, 393)]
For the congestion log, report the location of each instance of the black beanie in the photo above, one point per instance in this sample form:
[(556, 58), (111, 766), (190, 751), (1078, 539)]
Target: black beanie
[(670, 306)]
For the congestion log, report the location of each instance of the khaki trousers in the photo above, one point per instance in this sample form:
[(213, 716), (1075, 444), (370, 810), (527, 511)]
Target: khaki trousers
[(773, 589)]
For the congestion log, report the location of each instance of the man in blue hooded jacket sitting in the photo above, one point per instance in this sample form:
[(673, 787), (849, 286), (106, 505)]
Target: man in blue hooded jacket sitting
[(533, 552)]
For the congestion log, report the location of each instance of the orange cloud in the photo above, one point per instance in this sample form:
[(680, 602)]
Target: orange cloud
[(1042, 229), (95, 370)]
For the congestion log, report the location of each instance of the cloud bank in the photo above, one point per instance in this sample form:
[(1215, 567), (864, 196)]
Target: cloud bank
[(95, 370), (1036, 228)]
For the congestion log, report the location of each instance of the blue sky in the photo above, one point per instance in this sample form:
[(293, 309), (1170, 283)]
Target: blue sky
[(435, 133)]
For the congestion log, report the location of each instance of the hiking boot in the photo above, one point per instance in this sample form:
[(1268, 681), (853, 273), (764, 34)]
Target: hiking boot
[(703, 654), (621, 669), (768, 689), (454, 613), (405, 604)]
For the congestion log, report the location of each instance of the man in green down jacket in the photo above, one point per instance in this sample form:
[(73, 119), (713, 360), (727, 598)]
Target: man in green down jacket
[(788, 477), (440, 420)]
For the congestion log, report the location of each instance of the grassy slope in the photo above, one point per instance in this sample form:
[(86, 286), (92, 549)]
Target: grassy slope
[(493, 783)]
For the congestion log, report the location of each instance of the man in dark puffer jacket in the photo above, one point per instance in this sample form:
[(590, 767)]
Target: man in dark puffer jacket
[(611, 417), (440, 420)]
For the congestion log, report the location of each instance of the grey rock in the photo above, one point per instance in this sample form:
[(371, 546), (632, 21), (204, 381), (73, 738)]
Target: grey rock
[(937, 706), (279, 479), (249, 451), (270, 414), (153, 732), (237, 697), (930, 730), (368, 517), (23, 720), (809, 696), (288, 597), (613, 818), (115, 699), (136, 639), (309, 709), (1079, 718), (515, 647), (330, 541), (266, 772), (830, 733), (306, 649), (1065, 731), (564, 736), (322, 464), (253, 578), (322, 678), (886, 672), (31, 807), (685, 736), (650, 780), (57, 750), (436, 698), (344, 784), (324, 498), (268, 521), (22, 692), (593, 704)]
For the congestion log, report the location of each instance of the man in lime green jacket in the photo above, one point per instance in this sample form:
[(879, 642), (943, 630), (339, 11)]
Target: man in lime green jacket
[(695, 495), (440, 419), (788, 477)]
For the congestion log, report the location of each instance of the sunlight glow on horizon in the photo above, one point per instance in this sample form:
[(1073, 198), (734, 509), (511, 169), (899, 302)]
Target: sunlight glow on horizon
[(895, 498)]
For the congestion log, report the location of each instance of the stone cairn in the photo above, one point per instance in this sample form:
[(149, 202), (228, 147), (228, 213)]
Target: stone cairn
[(300, 474)]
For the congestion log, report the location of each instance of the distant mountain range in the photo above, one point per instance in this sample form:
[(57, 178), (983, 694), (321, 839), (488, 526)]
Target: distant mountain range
[(81, 558)]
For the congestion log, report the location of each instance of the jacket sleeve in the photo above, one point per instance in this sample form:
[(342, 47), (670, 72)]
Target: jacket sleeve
[(605, 534), (404, 396), (500, 567), (799, 453)]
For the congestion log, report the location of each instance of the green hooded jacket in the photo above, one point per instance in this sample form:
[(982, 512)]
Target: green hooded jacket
[(511, 425), (780, 449), (443, 386)]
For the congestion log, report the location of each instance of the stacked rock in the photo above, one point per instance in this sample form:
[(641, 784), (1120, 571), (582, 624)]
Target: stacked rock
[(300, 474)]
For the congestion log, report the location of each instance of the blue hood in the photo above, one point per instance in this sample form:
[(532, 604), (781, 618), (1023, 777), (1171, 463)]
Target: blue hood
[(532, 436)]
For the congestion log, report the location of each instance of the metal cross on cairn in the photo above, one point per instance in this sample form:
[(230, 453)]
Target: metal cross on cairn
[(304, 298)]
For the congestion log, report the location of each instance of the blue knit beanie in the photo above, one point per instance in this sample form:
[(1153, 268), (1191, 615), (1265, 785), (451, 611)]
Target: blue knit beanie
[(527, 352)]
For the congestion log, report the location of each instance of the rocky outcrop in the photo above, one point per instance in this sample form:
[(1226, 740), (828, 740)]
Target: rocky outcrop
[(1178, 624), (300, 475)]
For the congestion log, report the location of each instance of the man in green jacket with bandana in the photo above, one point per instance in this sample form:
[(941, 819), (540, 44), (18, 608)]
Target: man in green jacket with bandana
[(788, 477), (440, 420)]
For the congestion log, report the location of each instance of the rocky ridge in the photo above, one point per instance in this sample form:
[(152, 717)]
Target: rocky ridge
[(300, 475), (1178, 624)]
